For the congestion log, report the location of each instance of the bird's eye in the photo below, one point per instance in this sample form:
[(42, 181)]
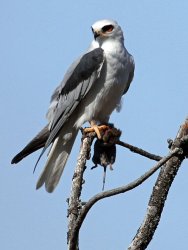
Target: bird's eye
[(107, 28)]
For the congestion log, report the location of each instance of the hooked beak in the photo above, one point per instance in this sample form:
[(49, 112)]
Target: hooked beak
[(96, 34)]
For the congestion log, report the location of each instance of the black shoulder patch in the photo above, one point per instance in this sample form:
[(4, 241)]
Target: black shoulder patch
[(89, 63)]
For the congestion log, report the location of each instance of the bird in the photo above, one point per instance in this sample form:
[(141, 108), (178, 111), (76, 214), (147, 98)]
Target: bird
[(92, 88)]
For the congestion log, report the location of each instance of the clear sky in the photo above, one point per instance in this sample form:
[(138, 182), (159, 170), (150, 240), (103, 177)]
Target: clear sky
[(39, 40)]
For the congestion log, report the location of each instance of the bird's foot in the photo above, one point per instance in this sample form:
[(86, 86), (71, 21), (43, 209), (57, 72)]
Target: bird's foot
[(97, 129)]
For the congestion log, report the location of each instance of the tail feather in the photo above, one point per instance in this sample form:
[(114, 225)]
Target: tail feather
[(38, 142), (57, 159)]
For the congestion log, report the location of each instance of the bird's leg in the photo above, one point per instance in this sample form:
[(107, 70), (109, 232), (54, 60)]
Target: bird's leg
[(95, 128)]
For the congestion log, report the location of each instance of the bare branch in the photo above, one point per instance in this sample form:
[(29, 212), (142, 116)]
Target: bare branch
[(139, 151), (160, 192), (123, 189), (77, 213), (74, 200), (75, 208)]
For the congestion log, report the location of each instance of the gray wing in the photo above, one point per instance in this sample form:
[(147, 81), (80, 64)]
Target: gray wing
[(75, 86), (36, 143), (131, 73)]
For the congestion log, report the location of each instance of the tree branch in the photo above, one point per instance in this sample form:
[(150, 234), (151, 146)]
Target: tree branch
[(109, 193), (77, 181), (139, 151), (77, 213), (160, 191)]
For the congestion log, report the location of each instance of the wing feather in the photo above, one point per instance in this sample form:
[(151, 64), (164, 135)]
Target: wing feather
[(131, 73), (75, 86)]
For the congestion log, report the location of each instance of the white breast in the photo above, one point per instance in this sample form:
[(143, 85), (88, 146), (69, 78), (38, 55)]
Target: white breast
[(106, 93)]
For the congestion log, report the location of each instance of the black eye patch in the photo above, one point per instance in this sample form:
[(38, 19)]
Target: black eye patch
[(107, 28)]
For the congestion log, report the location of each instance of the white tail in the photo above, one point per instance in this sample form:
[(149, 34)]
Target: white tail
[(57, 159)]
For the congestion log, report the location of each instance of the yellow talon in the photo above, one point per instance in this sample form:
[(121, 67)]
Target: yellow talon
[(95, 128)]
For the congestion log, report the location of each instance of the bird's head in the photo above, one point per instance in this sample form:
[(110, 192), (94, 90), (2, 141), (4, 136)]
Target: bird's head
[(106, 29)]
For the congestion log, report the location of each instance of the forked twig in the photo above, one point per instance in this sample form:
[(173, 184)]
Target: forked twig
[(85, 209), (78, 211)]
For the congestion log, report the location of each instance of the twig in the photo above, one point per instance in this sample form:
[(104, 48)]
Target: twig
[(139, 151), (160, 192), (116, 191)]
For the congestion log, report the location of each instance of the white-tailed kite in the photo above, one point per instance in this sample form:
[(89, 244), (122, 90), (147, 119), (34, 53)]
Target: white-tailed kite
[(91, 89)]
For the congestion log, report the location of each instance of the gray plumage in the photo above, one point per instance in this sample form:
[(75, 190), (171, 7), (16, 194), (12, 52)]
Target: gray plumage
[(90, 91)]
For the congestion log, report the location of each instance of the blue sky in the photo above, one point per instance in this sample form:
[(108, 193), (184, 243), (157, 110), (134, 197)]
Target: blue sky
[(39, 40)]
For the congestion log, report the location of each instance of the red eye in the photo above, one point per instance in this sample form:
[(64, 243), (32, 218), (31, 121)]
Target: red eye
[(107, 28)]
